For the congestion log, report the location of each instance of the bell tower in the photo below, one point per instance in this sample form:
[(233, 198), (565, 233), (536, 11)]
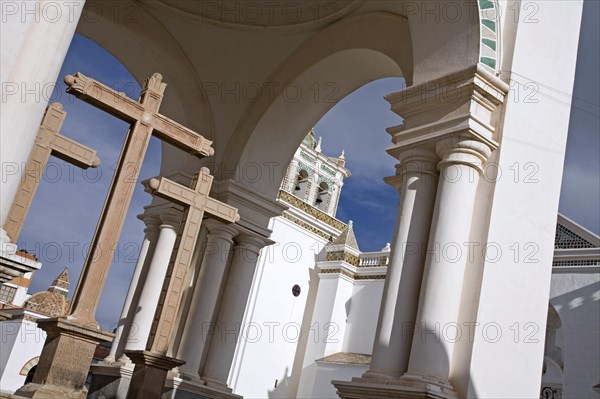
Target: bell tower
[(315, 178)]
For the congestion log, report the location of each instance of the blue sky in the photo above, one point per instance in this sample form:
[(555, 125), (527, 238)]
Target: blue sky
[(68, 202)]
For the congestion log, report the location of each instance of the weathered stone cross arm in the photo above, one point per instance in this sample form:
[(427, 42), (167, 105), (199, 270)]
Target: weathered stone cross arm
[(118, 104), (178, 193), (74, 153), (49, 141)]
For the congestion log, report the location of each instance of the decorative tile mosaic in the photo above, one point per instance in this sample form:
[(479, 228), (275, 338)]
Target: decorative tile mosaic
[(489, 29), (312, 211)]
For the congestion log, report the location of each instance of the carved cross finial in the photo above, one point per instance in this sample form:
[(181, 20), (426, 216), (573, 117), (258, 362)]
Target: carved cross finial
[(155, 83), (76, 83)]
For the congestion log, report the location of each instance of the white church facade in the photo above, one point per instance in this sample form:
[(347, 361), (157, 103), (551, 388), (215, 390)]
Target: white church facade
[(465, 292), (316, 321)]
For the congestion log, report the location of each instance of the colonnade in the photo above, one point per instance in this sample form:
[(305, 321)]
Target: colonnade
[(446, 139), (219, 292)]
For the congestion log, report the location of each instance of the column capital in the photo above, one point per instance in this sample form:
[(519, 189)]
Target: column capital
[(221, 230), (250, 242), (463, 150), (159, 213), (151, 221), (467, 102), (170, 218), (417, 161)]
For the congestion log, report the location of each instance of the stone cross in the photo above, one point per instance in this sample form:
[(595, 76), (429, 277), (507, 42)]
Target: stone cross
[(152, 365), (145, 121), (71, 341), (48, 142), (196, 202)]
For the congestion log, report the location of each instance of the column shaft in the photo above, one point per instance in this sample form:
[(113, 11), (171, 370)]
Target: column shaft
[(33, 51), (231, 312), (131, 300), (437, 330), (150, 294), (416, 181), (203, 309)]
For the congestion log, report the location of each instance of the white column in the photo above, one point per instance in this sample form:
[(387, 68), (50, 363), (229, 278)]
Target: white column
[(138, 278), (151, 290), (460, 167), (207, 291), (416, 181), (231, 312), (35, 38)]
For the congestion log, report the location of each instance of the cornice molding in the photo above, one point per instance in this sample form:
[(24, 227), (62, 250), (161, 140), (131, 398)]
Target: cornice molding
[(255, 209), (467, 102)]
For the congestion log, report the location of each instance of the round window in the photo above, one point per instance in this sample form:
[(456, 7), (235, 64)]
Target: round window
[(296, 290)]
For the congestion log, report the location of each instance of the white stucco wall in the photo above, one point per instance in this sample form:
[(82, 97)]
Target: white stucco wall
[(274, 317), (533, 141), (576, 298), (362, 319), (21, 341), (334, 313), (330, 316)]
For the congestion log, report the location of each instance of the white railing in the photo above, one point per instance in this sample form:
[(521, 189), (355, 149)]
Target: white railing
[(367, 259)]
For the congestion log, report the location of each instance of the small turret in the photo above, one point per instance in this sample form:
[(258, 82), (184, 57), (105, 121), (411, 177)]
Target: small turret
[(318, 146), (341, 161), (345, 247), (61, 283)]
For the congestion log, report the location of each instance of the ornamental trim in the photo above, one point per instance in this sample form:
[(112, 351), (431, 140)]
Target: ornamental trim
[(307, 157)]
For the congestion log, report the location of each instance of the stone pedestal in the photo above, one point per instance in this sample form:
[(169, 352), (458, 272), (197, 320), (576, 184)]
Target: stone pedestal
[(65, 360), (149, 374), (380, 390), (178, 388), (110, 380)]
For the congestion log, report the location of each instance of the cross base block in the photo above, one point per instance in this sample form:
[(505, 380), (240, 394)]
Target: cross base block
[(65, 360), (150, 373)]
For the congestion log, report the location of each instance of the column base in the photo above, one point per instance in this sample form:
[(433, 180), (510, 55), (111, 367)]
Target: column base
[(218, 385), (65, 360), (110, 381), (150, 373), (178, 388), (191, 377), (407, 387), (372, 376), (428, 383)]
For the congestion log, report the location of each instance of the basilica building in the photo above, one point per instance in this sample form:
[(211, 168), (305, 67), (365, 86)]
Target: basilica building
[(246, 285), (316, 322)]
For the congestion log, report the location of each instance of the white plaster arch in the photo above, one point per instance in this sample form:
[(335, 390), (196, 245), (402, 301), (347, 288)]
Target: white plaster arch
[(376, 40), (447, 39), (286, 122), (347, 56), (352, 52)]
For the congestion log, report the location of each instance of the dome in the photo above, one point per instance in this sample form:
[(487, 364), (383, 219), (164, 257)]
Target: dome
[(52, 302), (48, 303)]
